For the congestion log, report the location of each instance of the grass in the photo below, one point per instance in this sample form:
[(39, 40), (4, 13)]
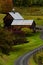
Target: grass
[(30, 10), (1, 19), (31, 61), (34, 42), (38, 54), (37, 19), (35, 13)]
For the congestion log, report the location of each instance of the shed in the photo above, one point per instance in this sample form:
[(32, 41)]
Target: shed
[(24, 24), (10, 16), (15, 20)]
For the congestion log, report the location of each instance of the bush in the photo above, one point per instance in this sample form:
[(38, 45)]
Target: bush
[(9, 39), (6, 40), (20, 40)]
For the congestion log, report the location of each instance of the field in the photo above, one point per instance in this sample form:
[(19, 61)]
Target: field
[(34, 39), (30, 10), (37, 19), (35, 13)]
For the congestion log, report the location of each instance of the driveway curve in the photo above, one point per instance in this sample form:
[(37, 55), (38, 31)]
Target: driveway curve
[(23, 60)]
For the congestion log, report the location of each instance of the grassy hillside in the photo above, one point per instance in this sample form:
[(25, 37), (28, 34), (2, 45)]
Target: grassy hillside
[(37, 19), (34, 39), (35, 13), (1, 19), (32, 11)]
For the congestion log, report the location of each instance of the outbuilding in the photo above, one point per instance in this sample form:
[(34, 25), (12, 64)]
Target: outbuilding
[(15, 21)]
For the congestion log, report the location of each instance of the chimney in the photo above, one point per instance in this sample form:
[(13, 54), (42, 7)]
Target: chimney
[(13, 10)]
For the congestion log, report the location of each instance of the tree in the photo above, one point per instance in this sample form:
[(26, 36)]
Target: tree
[(6, 5), (6, 40), (28, 2)]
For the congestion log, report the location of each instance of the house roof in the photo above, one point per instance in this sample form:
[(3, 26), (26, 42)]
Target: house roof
[(16, 15), (22, 22)]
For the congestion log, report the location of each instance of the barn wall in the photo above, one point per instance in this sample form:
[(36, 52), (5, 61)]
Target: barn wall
[(18, 27), (7, 20)]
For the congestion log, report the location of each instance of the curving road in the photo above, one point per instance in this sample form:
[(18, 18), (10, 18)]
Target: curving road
[(23, 60)]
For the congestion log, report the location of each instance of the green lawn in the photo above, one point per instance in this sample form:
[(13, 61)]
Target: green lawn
[(34, 41)]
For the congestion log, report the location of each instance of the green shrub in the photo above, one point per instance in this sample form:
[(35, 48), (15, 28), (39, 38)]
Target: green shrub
[(6, 40)]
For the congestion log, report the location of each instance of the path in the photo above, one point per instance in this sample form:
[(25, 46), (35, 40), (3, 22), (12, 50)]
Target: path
[(23, 60)]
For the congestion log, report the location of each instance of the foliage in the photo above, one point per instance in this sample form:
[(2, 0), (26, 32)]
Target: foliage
[(38, 57), (6, 40), (34, 42), (1, 19), (28, 2)]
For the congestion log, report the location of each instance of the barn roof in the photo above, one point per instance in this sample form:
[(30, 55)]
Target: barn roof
[(22, 22), (16, 15)]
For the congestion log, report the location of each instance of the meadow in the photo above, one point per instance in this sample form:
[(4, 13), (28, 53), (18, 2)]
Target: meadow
[(33, 38), (35, 13)]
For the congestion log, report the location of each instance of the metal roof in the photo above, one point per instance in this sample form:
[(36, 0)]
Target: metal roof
[(16, 15), (22, 22)]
